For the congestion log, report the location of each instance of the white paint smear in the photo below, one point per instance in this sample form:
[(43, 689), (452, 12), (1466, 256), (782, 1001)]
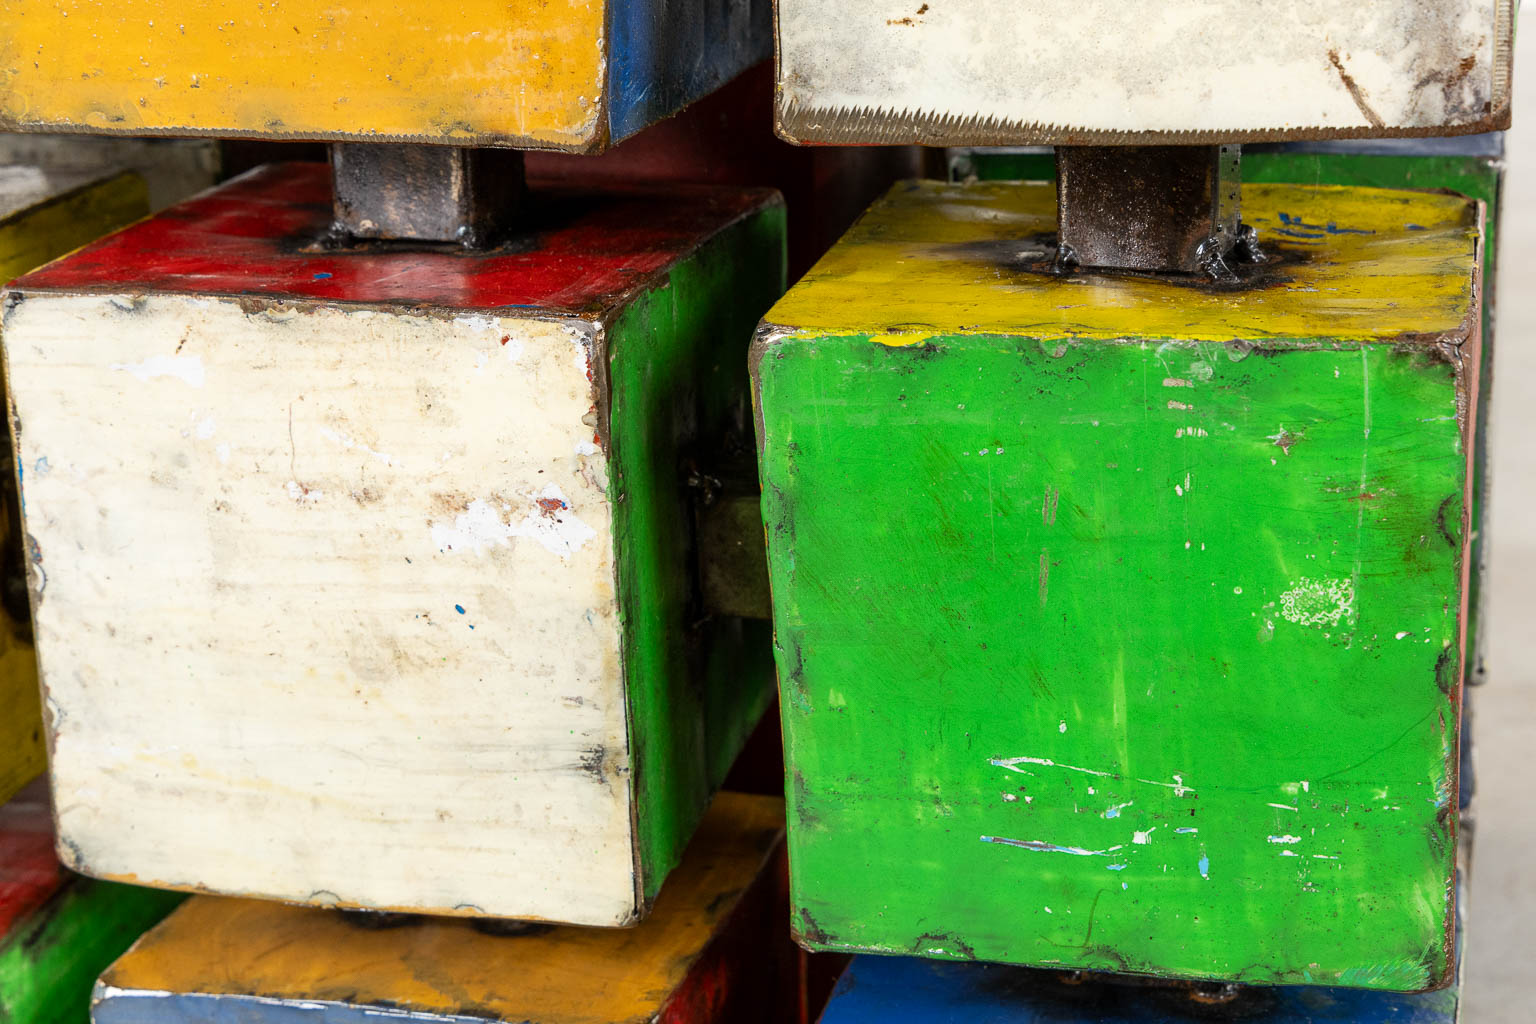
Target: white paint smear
[(549, 521), (188, 369)]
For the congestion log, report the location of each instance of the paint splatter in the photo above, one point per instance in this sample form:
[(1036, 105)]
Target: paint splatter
[(1319, 602), (1205, 866), (187, 369)]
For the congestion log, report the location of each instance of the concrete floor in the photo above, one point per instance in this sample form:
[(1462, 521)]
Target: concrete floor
[(1501, 930)]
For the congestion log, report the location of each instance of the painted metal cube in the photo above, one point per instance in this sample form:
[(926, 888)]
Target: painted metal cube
[(890, 990), (376, 565), (1472, 165), (1118, 619), (715, 950), (57, 930), (43, 214), (1096, 72), (569, 75)]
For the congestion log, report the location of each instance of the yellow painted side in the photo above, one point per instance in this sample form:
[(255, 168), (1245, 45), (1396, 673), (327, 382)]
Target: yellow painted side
[(566, 975), (931, 258), (22, 753), (28, 239), (48, 230), (530, 71)]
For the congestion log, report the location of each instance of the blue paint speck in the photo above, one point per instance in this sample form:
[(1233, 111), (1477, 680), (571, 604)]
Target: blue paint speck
[(1205, 866), (1118, 867), (321, 276), (459, 608), (1113, 812), (42, 466)]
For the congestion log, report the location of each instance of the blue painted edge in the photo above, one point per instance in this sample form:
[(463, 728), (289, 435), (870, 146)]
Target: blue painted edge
[(892, 990), (138, 1006), (665, 54)]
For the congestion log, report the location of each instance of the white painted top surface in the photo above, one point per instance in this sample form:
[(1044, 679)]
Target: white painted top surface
[(23, 186), (1005, 72), (172, 168), (327, 603)]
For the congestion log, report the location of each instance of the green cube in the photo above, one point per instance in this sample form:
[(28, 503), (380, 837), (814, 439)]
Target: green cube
[(1119, 621)]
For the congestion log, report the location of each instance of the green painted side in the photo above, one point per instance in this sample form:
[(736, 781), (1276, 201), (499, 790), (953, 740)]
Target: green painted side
[(1478, 177), (696, 685), (1136, 657), (49, 962)]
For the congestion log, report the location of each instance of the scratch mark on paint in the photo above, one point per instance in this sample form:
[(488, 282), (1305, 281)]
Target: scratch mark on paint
[(1143, 838), (1048, 506), (1205, 866), (1186, 831), (1045, 574), (1177, 382), (187, 369), (1365, 450), (1285, 839), (1044, 847), (1354, 90), (1114, 812), (1012, 764)]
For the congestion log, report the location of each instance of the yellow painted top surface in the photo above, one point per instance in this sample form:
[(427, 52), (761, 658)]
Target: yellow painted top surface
[(931, 258), (567, 975), (528, 72)]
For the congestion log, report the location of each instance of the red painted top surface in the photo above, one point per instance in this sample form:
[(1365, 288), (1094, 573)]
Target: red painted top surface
[(30, 873), (248, 238)]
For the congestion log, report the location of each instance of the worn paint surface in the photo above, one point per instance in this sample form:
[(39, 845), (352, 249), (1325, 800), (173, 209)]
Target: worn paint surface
[(1414, 165), (43, 214), (434, 557), (566, 75), (57, 930), (889, 990), (249, 961), (993, 72), (254, 234), (1117, 621)]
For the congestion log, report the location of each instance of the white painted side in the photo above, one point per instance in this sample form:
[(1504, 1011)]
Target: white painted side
[(257, 532), (1158, 66)]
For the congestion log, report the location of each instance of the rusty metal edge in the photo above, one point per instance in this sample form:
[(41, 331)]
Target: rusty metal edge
[(598, 141), (879, 126)]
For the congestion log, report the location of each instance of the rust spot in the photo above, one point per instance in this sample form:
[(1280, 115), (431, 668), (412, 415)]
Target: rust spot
[(1355, 92), (1284, 440), (549, 506), (506, 338)]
